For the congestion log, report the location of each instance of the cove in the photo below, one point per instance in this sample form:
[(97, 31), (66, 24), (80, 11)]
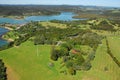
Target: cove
[(2, 31), (65, 16)]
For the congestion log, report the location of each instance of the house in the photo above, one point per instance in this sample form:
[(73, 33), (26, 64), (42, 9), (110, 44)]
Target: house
[(75, 51)]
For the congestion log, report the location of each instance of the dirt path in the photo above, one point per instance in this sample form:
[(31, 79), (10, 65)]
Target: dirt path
[(11, 74)]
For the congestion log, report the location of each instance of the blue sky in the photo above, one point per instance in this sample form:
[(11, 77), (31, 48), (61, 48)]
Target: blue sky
[(114, 3)]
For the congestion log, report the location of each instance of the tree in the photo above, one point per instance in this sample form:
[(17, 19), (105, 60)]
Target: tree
[(39, 39), (69, 64), (87, 65), (79, 60), (69, 46), (64, 52), (91, 39), (71, 71), (54, 54), (42, 39)]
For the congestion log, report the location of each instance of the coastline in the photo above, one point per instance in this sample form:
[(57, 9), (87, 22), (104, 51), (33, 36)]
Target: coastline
[(14, 17), (24, 16), (8, 28), (3, 39)]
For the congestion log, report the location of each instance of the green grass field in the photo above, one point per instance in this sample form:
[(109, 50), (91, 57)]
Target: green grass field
[(103, 60), (28, 65), (114, 43)]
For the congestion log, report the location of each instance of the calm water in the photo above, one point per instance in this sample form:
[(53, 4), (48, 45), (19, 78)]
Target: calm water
[(63, 16), (2, 31), (3, 42)]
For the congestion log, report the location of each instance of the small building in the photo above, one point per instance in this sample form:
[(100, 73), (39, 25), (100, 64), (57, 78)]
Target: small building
[(75, 51)]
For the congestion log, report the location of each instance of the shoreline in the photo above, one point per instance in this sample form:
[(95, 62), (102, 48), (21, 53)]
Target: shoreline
[(24, 16), (8, 28), (14, 17), (1, 36)]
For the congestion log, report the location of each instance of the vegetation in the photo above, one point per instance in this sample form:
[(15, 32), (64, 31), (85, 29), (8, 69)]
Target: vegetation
[(111, 54), (25, 10), (27, 57), (93, 13), (65, 48), (113, 44), (69, 37), (90, 12), (104, 25), (3, 75)]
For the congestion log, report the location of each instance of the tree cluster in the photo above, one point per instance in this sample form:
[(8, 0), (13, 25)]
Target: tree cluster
[(3, 75), (103, 26)]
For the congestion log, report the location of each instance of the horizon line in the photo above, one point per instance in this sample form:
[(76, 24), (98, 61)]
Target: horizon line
[(63, 4)]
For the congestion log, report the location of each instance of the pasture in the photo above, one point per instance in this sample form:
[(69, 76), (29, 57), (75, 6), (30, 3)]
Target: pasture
[(114, 43), (30, 62)]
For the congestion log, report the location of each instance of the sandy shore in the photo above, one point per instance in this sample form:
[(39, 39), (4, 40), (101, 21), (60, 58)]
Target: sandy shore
[(14, 17)]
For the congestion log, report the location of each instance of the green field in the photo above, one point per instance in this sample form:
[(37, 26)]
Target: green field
[(51, 24), (29, 65), (30, 62), (103, 60), (114, 43)]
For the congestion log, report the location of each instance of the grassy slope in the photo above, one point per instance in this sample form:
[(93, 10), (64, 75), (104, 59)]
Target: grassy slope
[(114, 43), (28, 66), (101, 61)]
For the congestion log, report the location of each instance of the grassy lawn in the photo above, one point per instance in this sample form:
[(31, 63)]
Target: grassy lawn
[(26, 64)]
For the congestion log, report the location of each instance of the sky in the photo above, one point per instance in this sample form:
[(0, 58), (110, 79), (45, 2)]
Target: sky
[(111, 3)]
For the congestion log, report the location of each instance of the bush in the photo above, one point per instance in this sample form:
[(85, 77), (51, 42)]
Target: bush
[(54, 54), (87, 66), (68, 46), (71, 71)]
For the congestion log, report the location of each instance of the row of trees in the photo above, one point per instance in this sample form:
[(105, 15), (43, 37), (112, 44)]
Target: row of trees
[(103, 26), (3, 75), (111, 54)]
